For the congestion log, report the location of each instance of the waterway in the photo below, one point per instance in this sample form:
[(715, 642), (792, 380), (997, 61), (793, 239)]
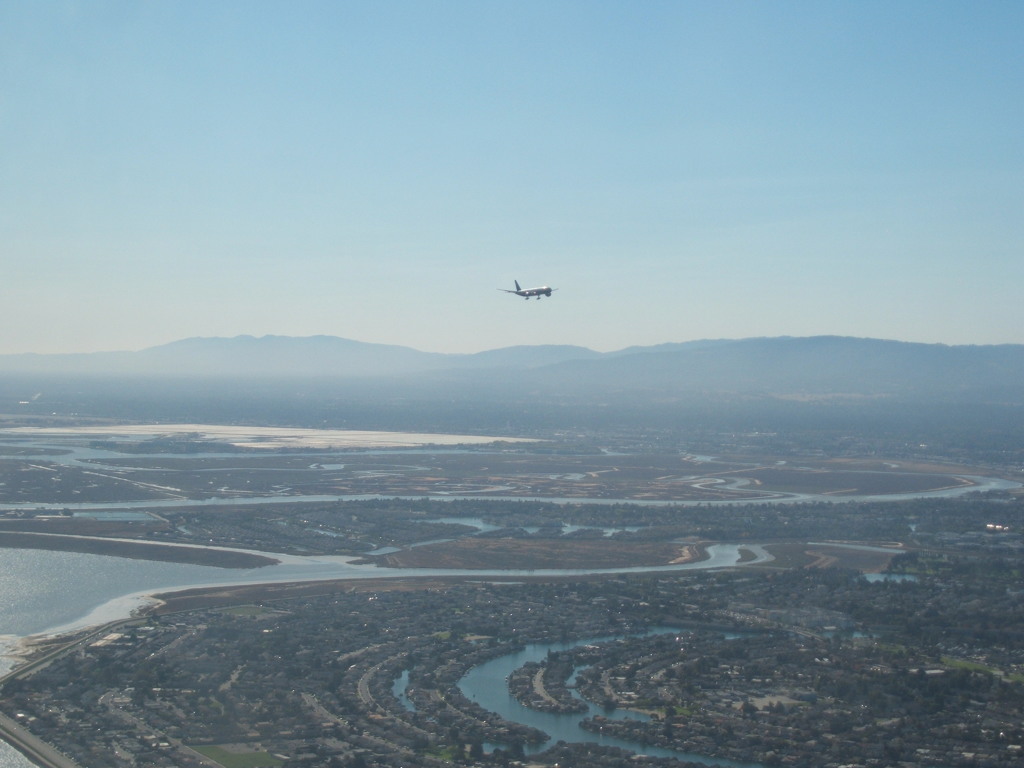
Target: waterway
[(50, 592), (487, 685), (977, 484), (47, 592), (12, 758), (66, 447)]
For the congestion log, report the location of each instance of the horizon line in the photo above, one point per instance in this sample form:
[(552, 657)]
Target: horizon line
[(272, 336)]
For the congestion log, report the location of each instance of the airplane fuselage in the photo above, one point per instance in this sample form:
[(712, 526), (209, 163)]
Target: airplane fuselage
[(538, 292), (528, 293)]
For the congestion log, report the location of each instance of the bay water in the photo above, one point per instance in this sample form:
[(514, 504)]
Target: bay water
[(51, 592)]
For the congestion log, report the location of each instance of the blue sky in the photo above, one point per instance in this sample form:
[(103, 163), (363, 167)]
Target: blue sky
[(375, 170)]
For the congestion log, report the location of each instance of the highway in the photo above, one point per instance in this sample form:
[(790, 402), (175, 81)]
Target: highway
[(36, 750)]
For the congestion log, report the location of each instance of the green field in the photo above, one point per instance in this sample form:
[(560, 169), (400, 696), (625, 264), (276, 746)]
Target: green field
[(239, 759)]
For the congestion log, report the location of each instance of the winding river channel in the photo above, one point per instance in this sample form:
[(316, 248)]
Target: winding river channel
[(486, 685), (50, 592), (70, 452), (44, 592)]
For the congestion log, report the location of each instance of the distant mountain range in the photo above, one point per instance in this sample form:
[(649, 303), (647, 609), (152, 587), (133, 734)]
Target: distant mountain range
[(791, 367), (282, 356)]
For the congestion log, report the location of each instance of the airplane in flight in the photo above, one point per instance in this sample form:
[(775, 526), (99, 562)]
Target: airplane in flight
[(526, 293)]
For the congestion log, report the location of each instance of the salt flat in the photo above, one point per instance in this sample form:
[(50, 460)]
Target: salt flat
[(264, 437)]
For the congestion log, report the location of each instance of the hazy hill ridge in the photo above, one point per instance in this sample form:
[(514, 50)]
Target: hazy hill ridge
[(287, 356), (792, 365)]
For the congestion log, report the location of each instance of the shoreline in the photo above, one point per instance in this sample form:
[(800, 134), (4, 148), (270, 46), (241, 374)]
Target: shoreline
[(15, 650), (19, 651), (167, 552)]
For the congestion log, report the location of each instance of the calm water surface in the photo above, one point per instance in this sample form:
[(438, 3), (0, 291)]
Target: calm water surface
[(487, 685), (12, 758), (50, 592), (47, 592)]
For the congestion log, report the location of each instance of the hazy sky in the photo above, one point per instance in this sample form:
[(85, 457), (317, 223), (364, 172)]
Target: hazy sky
[(376, 169)]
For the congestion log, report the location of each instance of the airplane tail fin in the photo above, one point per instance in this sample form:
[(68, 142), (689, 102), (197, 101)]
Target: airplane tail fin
[(517, 285)]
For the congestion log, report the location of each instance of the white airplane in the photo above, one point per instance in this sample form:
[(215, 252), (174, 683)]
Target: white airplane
[(526, 293)]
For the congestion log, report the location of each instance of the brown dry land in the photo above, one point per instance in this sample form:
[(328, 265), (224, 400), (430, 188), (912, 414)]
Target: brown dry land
[(540, 553), (846, 482), (797, 554), (507, 553), (83, 526), (136, 550), (865, 561)]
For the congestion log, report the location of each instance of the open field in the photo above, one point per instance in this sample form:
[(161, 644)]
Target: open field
[(239, 758), (551, 553), (797, 554)]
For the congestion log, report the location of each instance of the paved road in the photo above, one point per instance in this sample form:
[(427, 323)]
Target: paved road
[(36, 750)]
